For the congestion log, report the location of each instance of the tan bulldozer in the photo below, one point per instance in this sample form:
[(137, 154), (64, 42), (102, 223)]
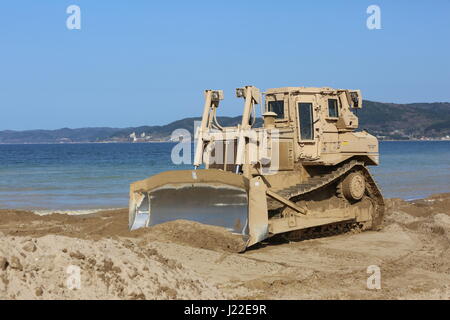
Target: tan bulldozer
[(302, 173)]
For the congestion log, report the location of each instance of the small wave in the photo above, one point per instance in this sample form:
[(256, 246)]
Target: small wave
[(71, 212), (415, 198)]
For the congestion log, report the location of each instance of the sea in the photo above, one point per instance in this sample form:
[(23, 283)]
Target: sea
[(83, 178)]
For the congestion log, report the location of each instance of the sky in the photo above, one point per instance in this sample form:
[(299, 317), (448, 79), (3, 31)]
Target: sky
[(138, 63)]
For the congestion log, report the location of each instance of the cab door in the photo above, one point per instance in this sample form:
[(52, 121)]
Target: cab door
[(307, 135)]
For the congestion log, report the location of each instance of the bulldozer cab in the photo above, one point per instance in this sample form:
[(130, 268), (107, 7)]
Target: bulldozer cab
[(313, 118)]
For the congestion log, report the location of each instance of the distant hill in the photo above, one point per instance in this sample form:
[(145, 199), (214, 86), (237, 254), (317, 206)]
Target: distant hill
[(59, 135), (386, 120), (412, 120)]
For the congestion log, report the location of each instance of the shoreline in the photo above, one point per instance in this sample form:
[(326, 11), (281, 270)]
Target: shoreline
[(84, 210), (145, 142), (69, 212)]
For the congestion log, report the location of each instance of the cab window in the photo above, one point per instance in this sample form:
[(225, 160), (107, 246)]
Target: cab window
[(333, 108), (277, 107), (305, 114)]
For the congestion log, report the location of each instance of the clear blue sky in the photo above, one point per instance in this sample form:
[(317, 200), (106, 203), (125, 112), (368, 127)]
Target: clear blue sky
[(148, 62)]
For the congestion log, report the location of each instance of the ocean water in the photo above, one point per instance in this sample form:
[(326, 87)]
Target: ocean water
[(77, 177)]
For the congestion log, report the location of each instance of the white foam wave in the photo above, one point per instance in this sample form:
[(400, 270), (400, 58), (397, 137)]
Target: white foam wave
[(71, 212)]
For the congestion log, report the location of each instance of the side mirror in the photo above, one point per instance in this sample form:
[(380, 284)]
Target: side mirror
[(354, 98)]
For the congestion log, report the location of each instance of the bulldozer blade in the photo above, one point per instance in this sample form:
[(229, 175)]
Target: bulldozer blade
[(214, 205), (211, 197)]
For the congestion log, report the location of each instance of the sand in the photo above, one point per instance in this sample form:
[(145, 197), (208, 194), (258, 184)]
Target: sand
[(95, 256)]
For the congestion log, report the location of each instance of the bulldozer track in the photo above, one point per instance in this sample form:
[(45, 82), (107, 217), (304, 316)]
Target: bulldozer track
[(295, 192), (318, 181)]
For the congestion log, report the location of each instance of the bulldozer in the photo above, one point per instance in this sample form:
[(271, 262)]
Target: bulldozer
[(301, 172)]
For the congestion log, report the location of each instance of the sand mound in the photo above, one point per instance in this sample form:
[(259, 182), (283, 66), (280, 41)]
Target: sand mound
[(439, 203), (393, 227), (393, 204), (400, 217), (439, 224), (420, 219), (196, 235), (39, 256), (48, 267)]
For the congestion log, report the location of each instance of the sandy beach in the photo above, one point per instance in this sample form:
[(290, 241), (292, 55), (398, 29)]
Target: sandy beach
[(186, 260)]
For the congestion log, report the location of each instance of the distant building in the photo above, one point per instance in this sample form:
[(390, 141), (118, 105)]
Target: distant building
[(133, 137)]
